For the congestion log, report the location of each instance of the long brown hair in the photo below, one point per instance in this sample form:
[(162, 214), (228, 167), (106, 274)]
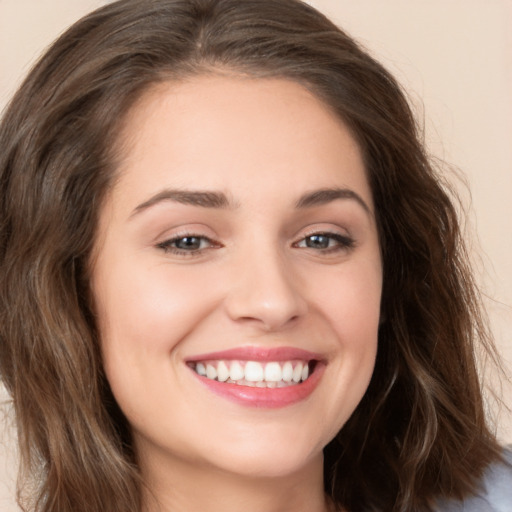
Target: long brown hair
[(419, 432)]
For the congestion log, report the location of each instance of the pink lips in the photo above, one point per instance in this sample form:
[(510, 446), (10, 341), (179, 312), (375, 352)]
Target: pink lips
[(259, 354), (269, 398)]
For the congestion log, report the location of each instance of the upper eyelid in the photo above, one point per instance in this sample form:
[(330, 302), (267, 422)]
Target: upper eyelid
[(318, 230), (177, 232), (205, 232)]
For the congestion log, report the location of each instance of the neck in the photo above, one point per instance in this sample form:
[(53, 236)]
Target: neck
[(183, 487)]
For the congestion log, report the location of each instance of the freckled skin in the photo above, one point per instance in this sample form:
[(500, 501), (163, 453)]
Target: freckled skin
[(256, 278)]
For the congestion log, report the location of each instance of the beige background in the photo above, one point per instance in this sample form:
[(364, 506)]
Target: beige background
[(454, 57)]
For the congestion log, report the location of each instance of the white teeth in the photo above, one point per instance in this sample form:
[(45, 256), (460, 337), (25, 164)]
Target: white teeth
[(211, 371), (200, 369), (222, 372), (287, 371), (273, 374), (297, 373), (236, 372), (253, 371)]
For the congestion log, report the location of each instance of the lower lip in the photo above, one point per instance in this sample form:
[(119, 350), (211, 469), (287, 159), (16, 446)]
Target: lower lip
[(268, 398)]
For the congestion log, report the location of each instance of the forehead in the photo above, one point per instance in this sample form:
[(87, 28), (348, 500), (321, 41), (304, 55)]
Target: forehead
[(230, 131)]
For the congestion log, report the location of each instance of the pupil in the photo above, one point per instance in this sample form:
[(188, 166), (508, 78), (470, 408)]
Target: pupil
[(188, 242), (318, 241)]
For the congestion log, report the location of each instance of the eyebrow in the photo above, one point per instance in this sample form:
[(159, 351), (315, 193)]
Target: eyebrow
[(204, 199), (219, 200), (327, 195)]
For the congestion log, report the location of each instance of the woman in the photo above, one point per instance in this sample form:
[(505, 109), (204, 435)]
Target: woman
[(230, 276)]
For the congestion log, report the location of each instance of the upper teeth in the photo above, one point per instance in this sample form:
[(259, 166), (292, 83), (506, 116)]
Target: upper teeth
[(254, 373)]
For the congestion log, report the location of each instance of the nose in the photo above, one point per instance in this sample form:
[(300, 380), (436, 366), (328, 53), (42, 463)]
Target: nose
[(265, 292)]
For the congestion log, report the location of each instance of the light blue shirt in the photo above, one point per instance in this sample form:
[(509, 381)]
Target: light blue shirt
[(494, 495)]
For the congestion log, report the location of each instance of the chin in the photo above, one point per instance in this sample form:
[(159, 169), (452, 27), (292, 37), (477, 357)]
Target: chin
[(272, 465), (268, 458)]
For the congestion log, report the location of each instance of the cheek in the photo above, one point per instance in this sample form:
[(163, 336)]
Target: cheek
[(350, 305), (350, 299), (152, 308), (143, 318)]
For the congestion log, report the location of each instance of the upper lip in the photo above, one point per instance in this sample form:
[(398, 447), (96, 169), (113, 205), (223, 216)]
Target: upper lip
[(252, 353)]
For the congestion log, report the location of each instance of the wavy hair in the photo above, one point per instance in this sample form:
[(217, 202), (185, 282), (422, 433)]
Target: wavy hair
[(419, 433)]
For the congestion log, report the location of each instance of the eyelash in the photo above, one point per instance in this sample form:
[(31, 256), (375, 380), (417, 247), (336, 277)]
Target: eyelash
[(342, 243), (168, 246)]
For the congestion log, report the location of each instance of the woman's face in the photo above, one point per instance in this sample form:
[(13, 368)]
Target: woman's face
[(237, 276)]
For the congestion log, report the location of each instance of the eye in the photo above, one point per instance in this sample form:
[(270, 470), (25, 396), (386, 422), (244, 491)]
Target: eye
[(326, 242), (186, 244)]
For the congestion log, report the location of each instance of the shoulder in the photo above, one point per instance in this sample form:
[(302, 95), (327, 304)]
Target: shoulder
[(494, 494)]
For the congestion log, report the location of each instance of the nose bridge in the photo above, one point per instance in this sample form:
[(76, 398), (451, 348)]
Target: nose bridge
[(263, 288)]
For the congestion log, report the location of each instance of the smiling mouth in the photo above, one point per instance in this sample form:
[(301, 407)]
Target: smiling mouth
[(271, 374)]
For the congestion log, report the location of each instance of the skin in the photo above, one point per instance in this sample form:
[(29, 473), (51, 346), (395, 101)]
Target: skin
[(256, 280)]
